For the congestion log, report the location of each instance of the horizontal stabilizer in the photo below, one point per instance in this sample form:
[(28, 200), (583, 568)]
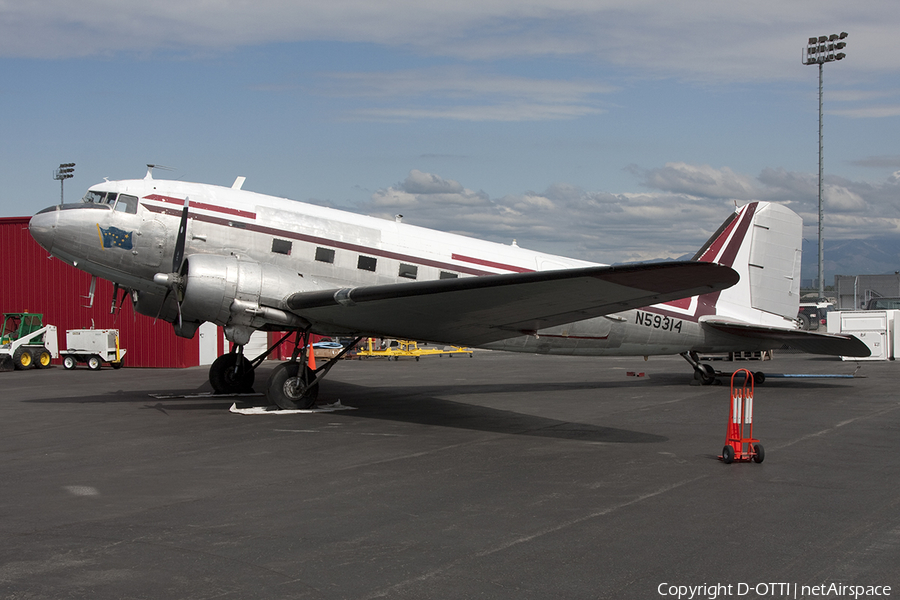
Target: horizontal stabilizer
[(808, 341), (478, 310)]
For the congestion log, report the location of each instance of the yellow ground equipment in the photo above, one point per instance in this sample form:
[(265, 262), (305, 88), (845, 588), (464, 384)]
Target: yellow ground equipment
[(397, 349)]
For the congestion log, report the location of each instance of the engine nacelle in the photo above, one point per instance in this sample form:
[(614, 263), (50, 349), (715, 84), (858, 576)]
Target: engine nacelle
[(239, 295), (226, 290)]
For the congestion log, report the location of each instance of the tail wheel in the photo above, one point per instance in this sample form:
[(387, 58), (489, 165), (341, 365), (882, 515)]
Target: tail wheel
[(23, 359), (706, 374)]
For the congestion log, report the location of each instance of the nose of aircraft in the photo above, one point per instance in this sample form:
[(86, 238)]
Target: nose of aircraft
[(43, 227)]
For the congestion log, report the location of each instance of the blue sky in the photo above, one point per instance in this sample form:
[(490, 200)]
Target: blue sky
[(608, 130)]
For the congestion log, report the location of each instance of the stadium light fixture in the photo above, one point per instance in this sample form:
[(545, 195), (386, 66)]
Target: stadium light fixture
[(818, 51), (65, 171)]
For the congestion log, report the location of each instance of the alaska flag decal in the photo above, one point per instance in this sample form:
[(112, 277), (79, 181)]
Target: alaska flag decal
[(113, 237)]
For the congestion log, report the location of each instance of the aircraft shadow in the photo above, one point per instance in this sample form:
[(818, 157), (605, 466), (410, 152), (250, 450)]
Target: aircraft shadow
[(416, 405)]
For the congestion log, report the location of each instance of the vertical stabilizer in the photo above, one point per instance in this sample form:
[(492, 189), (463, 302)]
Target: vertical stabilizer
[(762, 243), (774, 263)]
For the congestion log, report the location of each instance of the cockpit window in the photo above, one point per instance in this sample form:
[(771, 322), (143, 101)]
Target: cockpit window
[(126, 203), (94, 197)]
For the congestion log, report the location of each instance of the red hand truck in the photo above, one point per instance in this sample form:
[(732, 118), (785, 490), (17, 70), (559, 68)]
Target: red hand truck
[(740, 444)]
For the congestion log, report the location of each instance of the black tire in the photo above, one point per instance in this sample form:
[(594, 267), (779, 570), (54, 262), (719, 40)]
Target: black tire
[(42, 358), (728, 454), (94, 362), (706, 374), (23, 359), (70, 362), (118, 364), (804, 322), (284, 382), (224, 378), (760, 453)]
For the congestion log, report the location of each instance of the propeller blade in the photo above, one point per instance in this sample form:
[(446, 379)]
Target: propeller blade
[(180, 240)]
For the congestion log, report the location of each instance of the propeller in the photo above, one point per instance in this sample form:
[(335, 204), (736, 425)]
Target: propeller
[(175, 280)]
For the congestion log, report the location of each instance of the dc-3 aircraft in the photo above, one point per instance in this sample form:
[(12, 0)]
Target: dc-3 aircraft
[(189, 253)]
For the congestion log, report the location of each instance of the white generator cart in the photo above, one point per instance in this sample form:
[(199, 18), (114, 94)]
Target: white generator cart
[(93, 347)]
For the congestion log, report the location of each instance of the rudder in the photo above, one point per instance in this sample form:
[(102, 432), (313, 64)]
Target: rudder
[(762, 242)]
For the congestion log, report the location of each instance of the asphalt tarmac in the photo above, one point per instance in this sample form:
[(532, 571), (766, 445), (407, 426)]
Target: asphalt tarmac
[(498, 476)]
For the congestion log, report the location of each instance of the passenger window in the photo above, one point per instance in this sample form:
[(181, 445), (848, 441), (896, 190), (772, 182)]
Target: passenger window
[(408, 271), (366, 263), (325, 255), (281, 246), (447, 275), (127, 204)]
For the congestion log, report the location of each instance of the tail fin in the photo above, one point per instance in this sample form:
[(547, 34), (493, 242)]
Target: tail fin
[(762, 242)]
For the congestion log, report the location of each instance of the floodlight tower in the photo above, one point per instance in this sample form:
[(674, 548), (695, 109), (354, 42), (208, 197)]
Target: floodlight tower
[(820, 50), (65, 171)]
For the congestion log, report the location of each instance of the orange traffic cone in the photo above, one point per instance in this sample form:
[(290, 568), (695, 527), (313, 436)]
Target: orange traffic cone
[(311, 358)]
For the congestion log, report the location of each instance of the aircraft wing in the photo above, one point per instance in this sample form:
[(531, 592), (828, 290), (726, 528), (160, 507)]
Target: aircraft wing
[(834, 344), (478, 310)]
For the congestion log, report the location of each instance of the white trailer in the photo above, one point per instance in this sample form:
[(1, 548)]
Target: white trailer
[(93, 347)]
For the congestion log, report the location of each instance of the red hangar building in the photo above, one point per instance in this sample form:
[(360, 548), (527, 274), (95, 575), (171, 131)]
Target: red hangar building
[(34, 282)]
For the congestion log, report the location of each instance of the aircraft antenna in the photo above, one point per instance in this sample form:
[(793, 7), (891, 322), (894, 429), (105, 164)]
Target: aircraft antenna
[(150, 168)]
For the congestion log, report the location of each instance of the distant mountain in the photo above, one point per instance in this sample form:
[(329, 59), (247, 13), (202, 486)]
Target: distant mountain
[(871, 256)]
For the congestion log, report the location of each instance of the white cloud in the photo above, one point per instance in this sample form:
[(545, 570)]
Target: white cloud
[(701, 180), (462, 94), (667, 223), (868, 112), (700, 39)]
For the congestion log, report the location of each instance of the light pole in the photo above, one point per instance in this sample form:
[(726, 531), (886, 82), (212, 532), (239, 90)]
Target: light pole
[(65, 171), (820, 50)]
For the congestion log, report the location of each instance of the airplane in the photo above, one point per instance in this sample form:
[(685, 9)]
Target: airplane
[(189, 253)]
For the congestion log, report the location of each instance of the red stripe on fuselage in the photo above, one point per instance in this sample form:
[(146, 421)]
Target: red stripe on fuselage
[(490, 263), (203, 206), (375, 252)]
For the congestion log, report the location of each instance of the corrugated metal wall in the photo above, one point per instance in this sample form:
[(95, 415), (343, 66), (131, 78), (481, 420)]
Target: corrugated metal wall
[(34, 283)]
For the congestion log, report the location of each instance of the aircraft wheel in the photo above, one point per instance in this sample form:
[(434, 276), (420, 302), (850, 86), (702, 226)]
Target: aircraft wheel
[(285, 382), (760, 453), (94, 363), (43, 359), (225, 380), (706, 374), (69, 362), (728, 454), (23, 359)]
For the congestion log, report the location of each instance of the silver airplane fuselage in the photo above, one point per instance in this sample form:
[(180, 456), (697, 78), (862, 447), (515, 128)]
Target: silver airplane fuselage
[(125, 232)]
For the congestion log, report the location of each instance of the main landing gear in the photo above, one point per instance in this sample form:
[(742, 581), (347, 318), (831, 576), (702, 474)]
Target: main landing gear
[(291, 385)]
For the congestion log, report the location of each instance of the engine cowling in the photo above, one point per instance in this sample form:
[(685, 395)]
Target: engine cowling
[(240, 295)]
